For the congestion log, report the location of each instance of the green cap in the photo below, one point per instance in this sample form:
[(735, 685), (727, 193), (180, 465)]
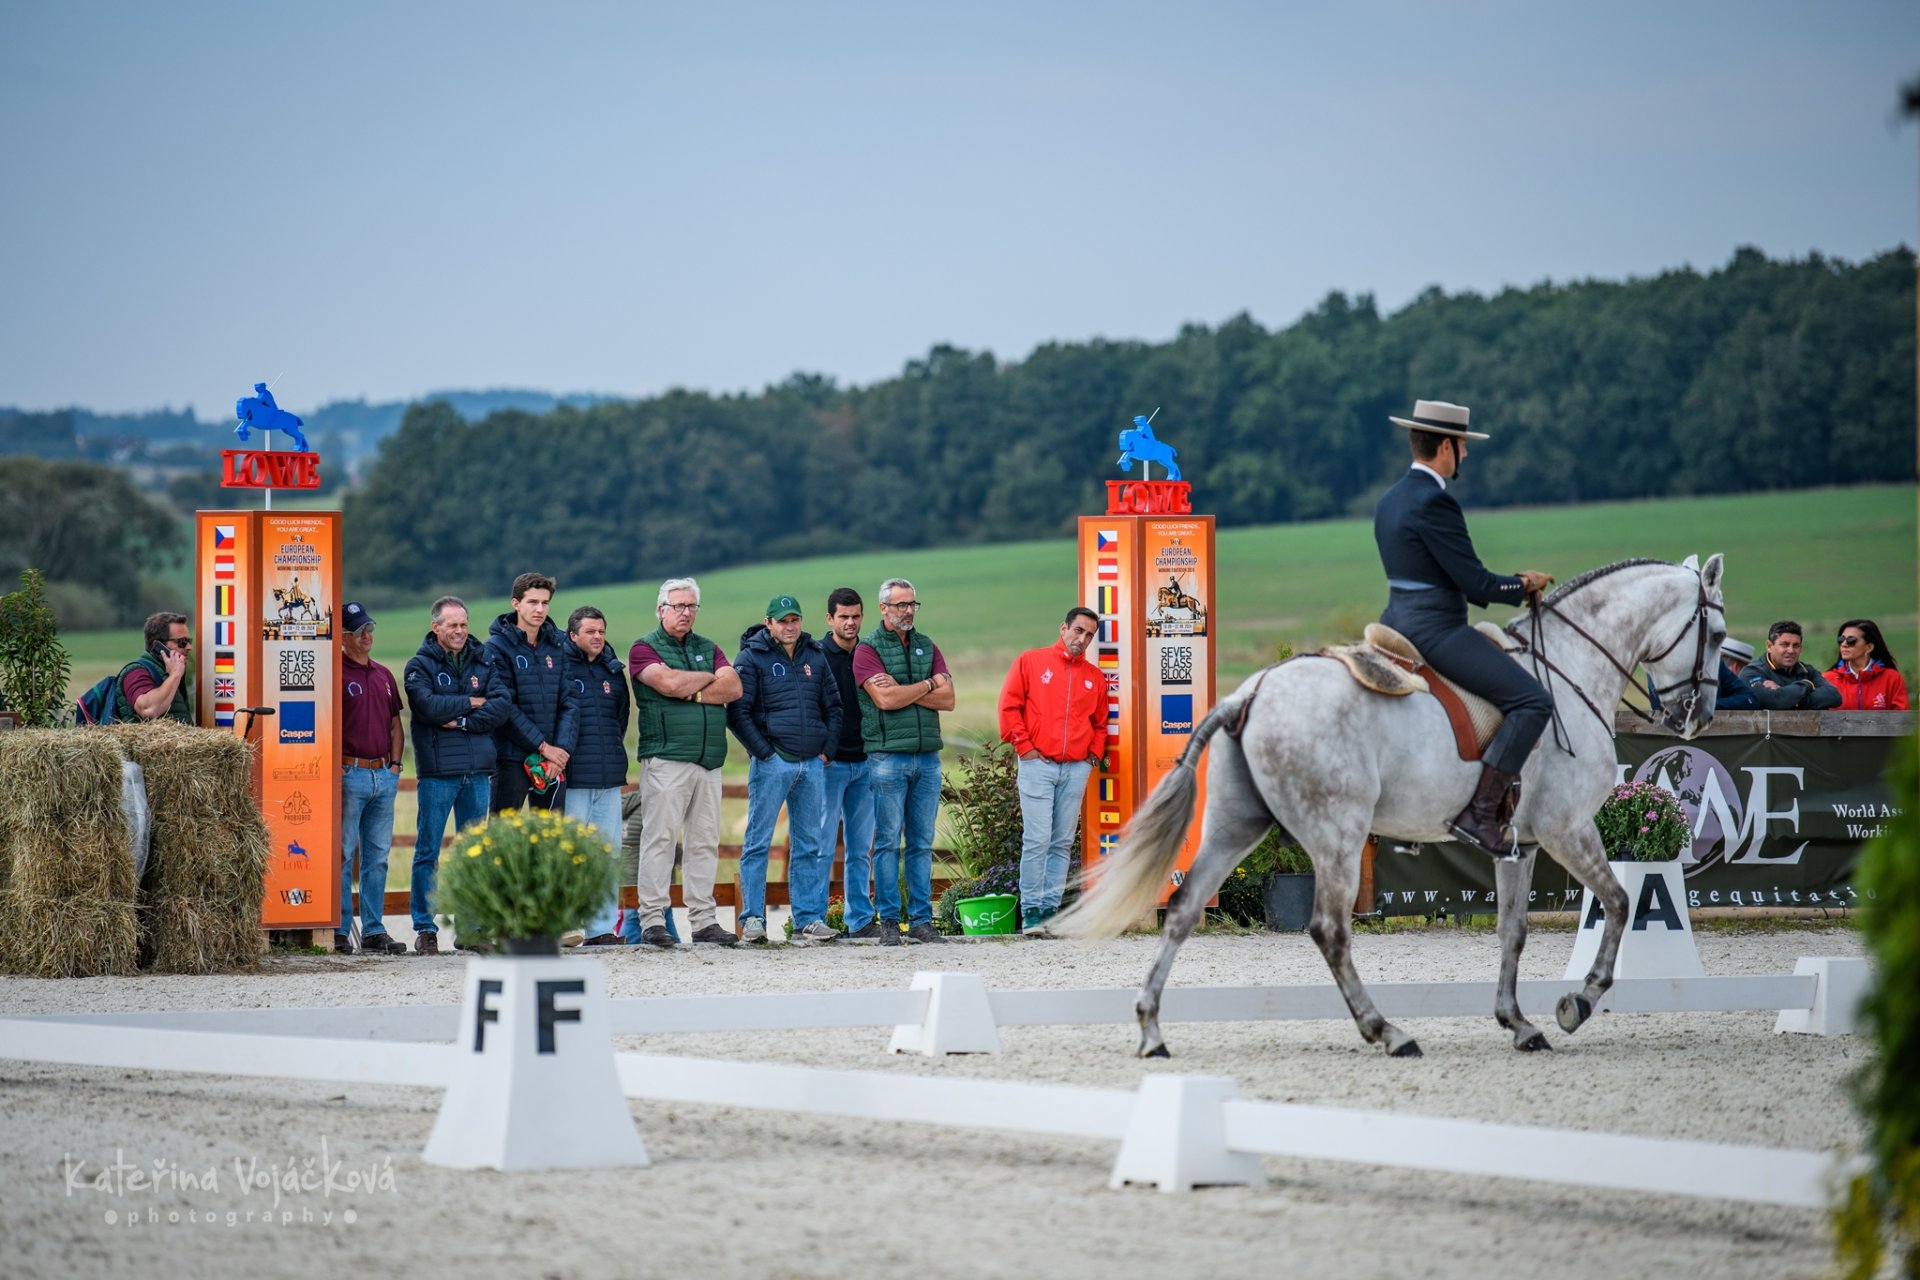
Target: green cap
[(781, 606)]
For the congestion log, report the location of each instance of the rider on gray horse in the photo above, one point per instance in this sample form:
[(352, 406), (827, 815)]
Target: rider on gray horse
[(1433, 573)]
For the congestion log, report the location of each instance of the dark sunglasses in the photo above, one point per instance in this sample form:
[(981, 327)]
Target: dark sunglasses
[(1851, 640)]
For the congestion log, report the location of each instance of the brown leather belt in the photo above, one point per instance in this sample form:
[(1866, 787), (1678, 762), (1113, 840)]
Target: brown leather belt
[(363, 762)]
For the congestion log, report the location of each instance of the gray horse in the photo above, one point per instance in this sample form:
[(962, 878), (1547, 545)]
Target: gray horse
[(1330, 763)]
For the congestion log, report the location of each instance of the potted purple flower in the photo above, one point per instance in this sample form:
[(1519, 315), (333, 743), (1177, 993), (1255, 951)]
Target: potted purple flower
[(1641, 822), (1643, 829)]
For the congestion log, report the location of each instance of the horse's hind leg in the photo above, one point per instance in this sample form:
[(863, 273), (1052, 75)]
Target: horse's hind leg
[(1580, 852), (1336, 880), (1235, 820), (1511, 881)]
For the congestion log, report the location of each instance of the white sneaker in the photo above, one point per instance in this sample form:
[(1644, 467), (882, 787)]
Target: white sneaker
[(753, 929), (818, 931)]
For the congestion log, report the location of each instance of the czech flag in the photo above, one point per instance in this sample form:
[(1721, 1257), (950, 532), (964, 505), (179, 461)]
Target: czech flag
[(1104, 538), (222, 535)]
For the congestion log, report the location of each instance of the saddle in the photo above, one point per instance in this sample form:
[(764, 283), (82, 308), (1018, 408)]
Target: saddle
[(1387, 663)]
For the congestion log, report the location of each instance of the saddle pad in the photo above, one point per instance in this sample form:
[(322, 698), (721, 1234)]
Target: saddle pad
[(1474, 719), (1376, 670)]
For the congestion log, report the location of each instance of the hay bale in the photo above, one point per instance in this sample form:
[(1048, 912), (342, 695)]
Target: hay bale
[(67, 906), (207, 867), (82, 936)]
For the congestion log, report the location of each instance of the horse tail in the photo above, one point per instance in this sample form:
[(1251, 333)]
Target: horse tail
[(1128, 884)]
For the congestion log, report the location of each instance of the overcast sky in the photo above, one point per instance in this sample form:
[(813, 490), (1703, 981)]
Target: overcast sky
[(381, 200)]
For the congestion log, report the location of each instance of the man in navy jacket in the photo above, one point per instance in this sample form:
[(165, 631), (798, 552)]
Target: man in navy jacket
[(788, 718), (593, 733), (1433, 573), (457, 699), (527, 648)]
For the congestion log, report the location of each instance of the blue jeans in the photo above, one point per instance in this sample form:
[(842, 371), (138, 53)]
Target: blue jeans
[(771, 783), (366, 827), (465, 797), (1049, 811), (906, 803), (847, 792), (599, 808)]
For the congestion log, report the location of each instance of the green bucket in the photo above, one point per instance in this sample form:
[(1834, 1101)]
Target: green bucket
[(995, 913)]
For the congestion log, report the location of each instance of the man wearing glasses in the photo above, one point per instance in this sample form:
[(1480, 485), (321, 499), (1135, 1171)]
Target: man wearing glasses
[(904, 685), (155, 684), (1781, 682), (682, 684), (371, 741)]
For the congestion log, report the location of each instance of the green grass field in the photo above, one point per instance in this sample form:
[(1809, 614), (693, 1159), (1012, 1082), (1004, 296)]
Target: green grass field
[(1820, 556)]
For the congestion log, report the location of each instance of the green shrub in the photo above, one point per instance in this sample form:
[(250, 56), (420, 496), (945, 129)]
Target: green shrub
[(980, 803), (1243, 893), (529, 874), (33, 663), (1879, 1210)]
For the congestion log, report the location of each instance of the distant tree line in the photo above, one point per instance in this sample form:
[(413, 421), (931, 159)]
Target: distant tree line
[(1761, 375)]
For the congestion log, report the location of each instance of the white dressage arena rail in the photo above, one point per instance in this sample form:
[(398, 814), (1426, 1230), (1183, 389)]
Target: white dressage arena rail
[(1818, 998)]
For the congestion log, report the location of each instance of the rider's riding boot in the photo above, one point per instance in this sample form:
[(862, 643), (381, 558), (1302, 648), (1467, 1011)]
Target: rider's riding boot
[(1480, 825)]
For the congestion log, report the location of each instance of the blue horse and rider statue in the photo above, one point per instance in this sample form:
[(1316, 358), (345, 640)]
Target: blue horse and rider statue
[(259, 412), (1138, 443)]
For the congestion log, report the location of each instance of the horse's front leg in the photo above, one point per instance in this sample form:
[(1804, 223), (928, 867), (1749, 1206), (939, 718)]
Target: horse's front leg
[(1580, 852), (1511, 881)]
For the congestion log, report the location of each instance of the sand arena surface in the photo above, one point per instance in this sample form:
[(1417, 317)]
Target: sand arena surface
[(748, 1193)]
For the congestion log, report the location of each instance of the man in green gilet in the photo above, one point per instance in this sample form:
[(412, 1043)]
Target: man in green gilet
[(904, 685), (158, 683), (682, 684)]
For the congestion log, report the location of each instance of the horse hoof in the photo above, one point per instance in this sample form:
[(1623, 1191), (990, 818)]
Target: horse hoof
[(1572, 1011), (1535, 1043), (1158, 1051), (1411, 1049)]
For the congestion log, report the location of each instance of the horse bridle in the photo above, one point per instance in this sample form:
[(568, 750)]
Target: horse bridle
[(1536, 651)]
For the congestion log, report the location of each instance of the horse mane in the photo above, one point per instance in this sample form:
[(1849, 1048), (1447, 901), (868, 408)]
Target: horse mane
[(1572, 585)]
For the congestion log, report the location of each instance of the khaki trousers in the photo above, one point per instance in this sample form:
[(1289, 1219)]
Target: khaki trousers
[(678, 798)]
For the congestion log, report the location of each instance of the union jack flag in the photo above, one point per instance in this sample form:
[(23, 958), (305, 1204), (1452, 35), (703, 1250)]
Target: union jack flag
[(223, 687)]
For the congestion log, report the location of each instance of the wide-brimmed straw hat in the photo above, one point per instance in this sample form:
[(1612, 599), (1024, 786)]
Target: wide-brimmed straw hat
[(1440, 418)]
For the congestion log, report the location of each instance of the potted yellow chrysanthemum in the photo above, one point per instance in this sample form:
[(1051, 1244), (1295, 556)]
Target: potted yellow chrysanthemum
[(524, 879)]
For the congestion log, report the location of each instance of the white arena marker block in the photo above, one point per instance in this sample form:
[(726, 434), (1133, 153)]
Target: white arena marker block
[(1658, 942), (534, 1084), (1177, 1138), (959, 1018), (1842, 984)]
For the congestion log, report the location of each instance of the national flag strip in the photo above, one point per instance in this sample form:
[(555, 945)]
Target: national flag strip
[(1113, 720), (223, 601), (1107, 788), (1109, 843), (1109, 817), (222, 536), (222, 564), (1109, 600), (223, 688), (223, 717), (1110, 632), (1110, 659), (223, 633), (1108, 567), (222, 662), (1105, 538)]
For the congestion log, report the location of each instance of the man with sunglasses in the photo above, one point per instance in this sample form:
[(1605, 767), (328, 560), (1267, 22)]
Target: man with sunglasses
[(904, 686), (156, 684), (1781, 682)]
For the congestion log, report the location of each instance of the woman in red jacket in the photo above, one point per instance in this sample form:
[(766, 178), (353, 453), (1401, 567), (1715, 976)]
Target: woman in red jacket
[(1865, 673)]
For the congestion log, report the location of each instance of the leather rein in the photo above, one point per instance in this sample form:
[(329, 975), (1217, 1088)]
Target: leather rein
[(1535, 650)]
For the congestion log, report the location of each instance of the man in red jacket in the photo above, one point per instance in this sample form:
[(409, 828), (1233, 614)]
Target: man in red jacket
[(1053, 709)]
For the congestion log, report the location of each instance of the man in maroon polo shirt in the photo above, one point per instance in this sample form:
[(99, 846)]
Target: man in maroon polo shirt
[(371, 742)]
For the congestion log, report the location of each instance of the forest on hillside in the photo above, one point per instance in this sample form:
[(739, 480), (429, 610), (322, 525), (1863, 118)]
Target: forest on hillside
[(1761, 375)]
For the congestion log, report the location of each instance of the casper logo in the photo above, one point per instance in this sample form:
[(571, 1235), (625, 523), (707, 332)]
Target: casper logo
[(1176, 713), (296, 724)]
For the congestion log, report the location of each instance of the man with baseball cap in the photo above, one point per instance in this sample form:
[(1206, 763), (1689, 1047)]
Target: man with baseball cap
[(371, 741), (1433, 573), (788, 718)]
